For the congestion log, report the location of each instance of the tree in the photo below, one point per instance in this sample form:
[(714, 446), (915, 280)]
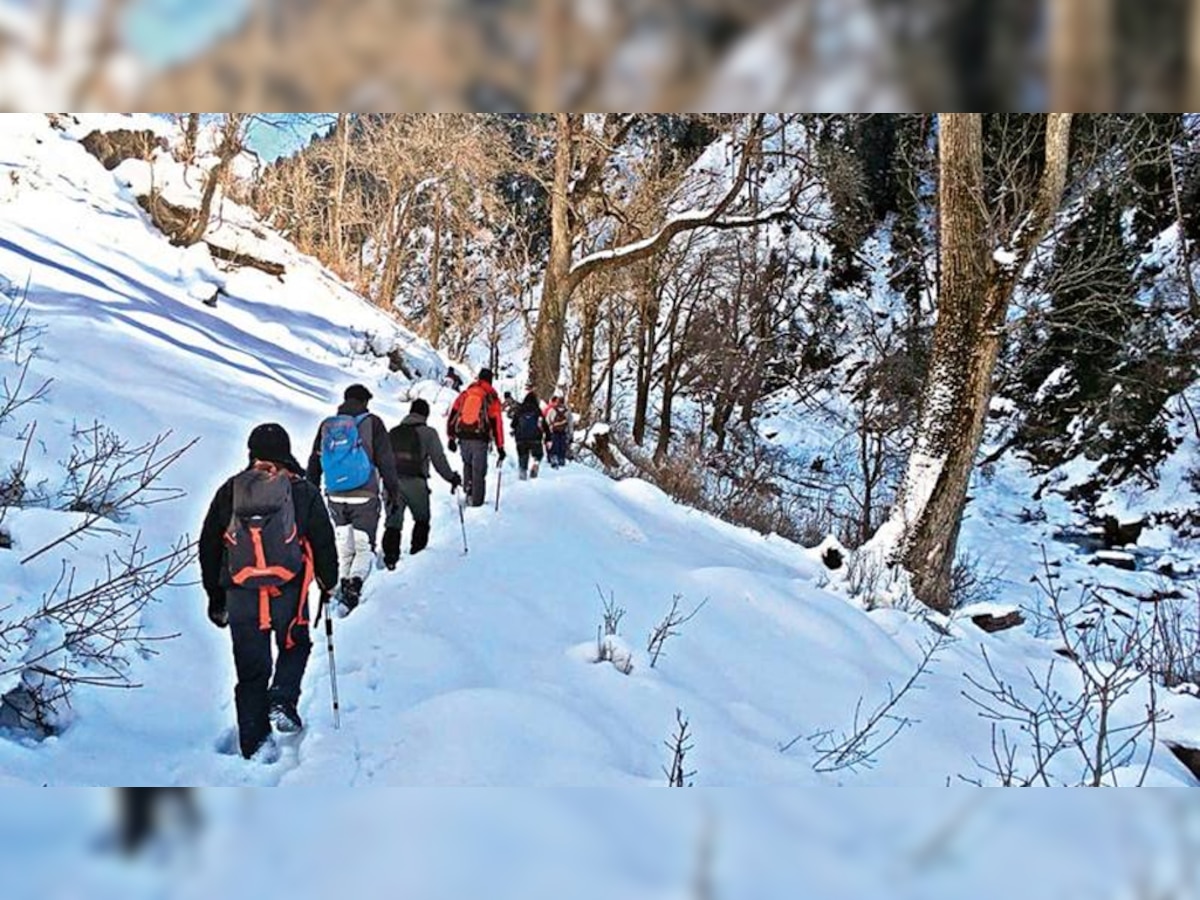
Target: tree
[(985, 245), (583, 148), (230, 146)]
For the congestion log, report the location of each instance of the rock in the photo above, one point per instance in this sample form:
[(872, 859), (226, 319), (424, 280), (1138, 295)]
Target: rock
[(1189, 756), (114, 147), (397, 362), (833, 558), (992, 624), (599, 442), (1116, 559), (6, 540), (1121, 534)]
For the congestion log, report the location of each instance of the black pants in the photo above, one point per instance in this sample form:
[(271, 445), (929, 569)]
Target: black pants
[(414, 497), (527, 449), (255, 690)]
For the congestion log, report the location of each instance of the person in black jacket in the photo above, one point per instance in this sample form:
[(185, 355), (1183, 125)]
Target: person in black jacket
[(415, 445), (253, 615), (530, 431)]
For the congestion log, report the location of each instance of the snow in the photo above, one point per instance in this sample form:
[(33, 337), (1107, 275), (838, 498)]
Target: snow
[(473, 669)]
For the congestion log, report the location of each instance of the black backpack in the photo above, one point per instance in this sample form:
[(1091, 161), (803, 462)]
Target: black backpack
[(264, 547), (528, 425), (406, 447)]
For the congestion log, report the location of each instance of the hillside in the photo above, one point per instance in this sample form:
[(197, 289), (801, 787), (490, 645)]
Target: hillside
[(475, 669)]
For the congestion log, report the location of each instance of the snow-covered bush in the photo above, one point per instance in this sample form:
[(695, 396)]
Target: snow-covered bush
[(77, 621)]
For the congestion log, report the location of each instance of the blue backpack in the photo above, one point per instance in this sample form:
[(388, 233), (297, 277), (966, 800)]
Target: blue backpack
[(344, 459)]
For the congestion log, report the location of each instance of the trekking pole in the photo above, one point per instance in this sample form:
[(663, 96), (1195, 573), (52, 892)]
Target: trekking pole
[(462, 520), (499, 481), (337, 716)]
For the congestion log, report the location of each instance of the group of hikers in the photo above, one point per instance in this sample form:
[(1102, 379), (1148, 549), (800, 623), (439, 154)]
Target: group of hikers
[(269, 533)]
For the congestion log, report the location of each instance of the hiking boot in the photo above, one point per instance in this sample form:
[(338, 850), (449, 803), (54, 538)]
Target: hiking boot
[(523, 475), (351, 593), (284, 717), (533, 470)]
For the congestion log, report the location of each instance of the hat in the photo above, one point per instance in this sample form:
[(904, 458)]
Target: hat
[(270, 443), (357, 392), (485, 374), (419, 408)]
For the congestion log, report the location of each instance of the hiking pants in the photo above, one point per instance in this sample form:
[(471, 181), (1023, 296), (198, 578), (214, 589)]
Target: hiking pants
[(252, 658), (355, 526), (475, 467), (414, 497), (558, 447), (526, 449)]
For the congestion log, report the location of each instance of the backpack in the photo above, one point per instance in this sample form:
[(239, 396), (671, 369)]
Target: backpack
[(527, 426), (472, 421), (344, 458), (559, 420), (264, 547), (406, 447)]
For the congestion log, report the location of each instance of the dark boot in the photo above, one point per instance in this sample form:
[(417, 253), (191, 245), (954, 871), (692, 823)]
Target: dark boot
[(285, 717), (391, 547), (420, 537), (352, 593)]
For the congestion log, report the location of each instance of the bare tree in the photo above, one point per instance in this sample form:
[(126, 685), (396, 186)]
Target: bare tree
[(985, 246), (231, 143)]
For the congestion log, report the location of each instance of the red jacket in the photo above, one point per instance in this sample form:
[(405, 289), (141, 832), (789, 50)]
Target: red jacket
[(494, 411)]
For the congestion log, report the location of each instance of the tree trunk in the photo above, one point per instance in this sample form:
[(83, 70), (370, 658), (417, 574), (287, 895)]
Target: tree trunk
[(646, 342), (191, 136), (341, 156), (433, 317), (973, 300), (546, 355), (231, 146), (582, 389)]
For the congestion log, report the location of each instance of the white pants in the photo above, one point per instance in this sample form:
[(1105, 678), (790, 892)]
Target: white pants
[(355, 556)]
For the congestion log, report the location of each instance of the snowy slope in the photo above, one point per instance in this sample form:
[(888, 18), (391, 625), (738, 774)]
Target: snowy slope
[(458, 669)]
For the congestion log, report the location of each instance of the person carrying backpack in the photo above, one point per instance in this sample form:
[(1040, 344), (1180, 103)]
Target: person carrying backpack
[(353, 454), (267, 537), (475, 420), (558, 423), (529, 431), (415, 445)]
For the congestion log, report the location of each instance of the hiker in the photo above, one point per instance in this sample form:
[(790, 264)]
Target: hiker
[(558, 422), (510, 405), (266, 538), (529, 431), (353, 454), (476, 420), (453, 379), (415, 445)]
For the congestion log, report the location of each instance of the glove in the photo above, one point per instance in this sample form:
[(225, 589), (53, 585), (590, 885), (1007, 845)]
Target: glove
[(455, 482), (453, 445), (501, 455), (217, 614)]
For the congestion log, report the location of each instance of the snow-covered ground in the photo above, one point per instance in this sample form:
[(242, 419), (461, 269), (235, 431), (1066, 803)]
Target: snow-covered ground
[(459, 669)]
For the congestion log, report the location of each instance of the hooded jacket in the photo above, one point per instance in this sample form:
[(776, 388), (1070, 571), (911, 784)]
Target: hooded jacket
[(492, 409), (431, 446), (374, 437)]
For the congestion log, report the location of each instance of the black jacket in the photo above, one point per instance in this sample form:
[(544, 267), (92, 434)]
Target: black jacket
[(312, 521), (380, 451)]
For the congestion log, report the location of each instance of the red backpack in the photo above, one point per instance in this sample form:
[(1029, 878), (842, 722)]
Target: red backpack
[(472, 421)]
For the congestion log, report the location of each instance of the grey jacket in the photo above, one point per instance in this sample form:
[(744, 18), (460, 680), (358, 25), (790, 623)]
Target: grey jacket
[(431, 447)]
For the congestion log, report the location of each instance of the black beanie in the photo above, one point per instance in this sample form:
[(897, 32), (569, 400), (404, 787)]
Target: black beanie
[(485, 374), (270, 443), (357, 392), (419, 408)]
